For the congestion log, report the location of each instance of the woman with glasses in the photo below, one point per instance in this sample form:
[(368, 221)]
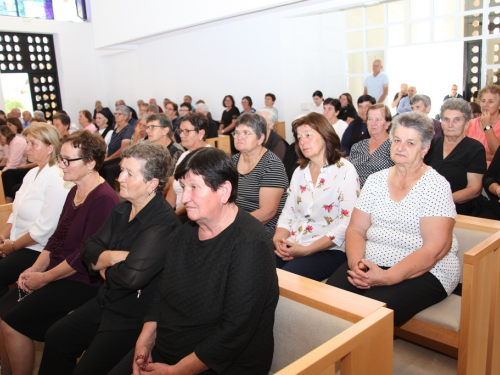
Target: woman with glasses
[(262, 180), (193, 131), (57, 282), (37, 207)]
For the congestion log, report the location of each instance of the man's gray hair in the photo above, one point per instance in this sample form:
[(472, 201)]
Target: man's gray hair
[(419, 97), (271, 115)]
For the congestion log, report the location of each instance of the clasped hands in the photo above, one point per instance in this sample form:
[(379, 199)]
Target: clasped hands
[(31, 280), (287, 250), (364, 274), (5, 246)]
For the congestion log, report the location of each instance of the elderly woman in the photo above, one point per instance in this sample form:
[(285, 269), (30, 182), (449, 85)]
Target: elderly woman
[(120, 139), (57, 282), (310, 233), (193, 131), (458, 158), (37, 207), (126, 252), (400, 245), (347, 110), (331, 109), (104, 125), (224, 258), (140, 133), (373, 154), (13, 147), (486, 128), (85, 121), (159, 130), (274, 141), (262, 179)]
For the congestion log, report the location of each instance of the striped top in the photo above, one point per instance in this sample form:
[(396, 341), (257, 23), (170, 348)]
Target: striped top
[(269, 172)]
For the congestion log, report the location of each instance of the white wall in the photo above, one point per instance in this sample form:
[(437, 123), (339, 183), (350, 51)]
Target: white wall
[(77, 64)]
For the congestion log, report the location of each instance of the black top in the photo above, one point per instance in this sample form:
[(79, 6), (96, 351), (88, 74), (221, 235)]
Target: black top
[(276, 144), (346, 112), (449, 97), (355, 132), (213, 129), (175, 126), (145, 237), (492, 176), (228, 117), (468, 156), (217, 298)]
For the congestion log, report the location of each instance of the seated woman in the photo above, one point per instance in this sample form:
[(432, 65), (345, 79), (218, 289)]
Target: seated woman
[(140, 133), (159, 130), (193, 132), (13, 147), (486, 128), (262, 181), (128, 251), (310, 233), (331, 109), (36, 210), (274, 141), (459, 159), (373, 154), (347, 110), (400, 245), (228, 120), (57, 282), (104, 124), (491, 184), (246, 104), (224, 258), (15, 125), (317, 105), (85, 121)]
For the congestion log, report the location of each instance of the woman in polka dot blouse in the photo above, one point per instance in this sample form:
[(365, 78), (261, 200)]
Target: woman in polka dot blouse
[(400, 245)]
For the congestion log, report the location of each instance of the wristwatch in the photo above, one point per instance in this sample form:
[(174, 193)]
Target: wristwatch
[(488, 127)]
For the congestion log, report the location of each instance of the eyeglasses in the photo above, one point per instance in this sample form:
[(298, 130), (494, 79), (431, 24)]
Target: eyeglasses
[(151, 127), (184, 131), (66, 161), (242, 134)]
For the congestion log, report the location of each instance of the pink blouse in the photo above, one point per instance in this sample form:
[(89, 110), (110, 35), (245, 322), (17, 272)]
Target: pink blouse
[(475, 131), (15, 153)]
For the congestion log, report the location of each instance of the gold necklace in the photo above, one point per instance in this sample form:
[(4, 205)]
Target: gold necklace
[(78, 202)]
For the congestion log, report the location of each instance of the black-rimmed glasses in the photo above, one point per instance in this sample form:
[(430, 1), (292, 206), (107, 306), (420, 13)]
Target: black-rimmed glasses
[(66, 161), (184, 131)]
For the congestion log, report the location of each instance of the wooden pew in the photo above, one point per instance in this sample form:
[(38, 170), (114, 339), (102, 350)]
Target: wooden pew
[(279, 127), (5, 211), (222, 143), (319, 327), (2, 192), (467, 327)]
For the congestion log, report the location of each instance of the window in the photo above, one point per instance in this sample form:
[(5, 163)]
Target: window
[(59, 10)]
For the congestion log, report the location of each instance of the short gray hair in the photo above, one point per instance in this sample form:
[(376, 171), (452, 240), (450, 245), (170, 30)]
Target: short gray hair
[(39, 113), (164, 121), (155, 162), (416, 121), (255, 122), (271, 115), (455, 104), (125, 110), (419, 97), (202, 107)]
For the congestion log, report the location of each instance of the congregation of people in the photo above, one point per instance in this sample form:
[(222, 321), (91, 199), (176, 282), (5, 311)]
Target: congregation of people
[(139, 248)]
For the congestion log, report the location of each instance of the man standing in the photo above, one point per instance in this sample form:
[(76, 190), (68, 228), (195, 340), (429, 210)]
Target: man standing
[(422, 104), (26, 119), (454, 94), (400, 95), (377, 84), (405, 103)]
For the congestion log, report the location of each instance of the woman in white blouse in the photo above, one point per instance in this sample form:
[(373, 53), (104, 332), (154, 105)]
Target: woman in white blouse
[(310, 233), (36, 209), (400, 244)]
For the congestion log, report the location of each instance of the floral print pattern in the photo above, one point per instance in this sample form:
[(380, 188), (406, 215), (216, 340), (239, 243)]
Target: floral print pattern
[(323, 208)]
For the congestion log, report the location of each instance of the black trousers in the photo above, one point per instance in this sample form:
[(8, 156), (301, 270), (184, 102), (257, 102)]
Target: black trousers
[(79, 331), (12, 180), (13, 265), (407, 298)]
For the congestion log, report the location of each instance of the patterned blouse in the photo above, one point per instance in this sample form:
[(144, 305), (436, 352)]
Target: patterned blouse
[(312, 212), (366, 163)]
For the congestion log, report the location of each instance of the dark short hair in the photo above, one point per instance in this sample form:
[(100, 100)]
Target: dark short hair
[(272, 96), (155, 161), (476, 108), (335, 103), (366, 98), (164, 121), (175, 106), (249, 99), (7, 133), (91, 145), (63, 117), (319, 123), (15, 121), (199, 122), (255, 122), (3, 121), (214, 166), (318, 94), (230, 97), (349, 99), (187, 105)]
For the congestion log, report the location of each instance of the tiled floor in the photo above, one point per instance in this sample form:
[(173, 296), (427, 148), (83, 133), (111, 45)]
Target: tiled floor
[(410, 359)]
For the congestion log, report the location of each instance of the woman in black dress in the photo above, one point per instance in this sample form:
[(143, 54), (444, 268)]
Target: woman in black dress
[(228, 120)]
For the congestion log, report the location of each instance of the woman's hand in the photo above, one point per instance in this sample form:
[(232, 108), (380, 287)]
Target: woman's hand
[(287, 250), (366, 274), (142, 358), (497, 191), (31, 281), (157, 369), (486, 119)]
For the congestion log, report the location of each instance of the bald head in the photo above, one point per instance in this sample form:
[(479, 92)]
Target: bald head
[(16, 112)]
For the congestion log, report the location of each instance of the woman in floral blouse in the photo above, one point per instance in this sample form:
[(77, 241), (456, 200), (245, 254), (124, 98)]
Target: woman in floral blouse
[(310, 233)]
